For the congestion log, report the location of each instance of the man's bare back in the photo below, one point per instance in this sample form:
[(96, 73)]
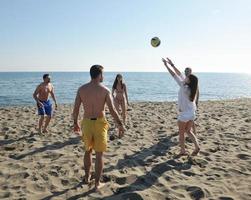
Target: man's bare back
[(93, 97)]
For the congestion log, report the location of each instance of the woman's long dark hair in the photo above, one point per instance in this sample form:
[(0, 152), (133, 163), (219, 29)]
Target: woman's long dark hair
[(116, 82), (193, 85)]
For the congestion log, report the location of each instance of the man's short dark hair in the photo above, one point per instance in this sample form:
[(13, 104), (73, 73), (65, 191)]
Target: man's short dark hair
[(45, 76), (95, 71)]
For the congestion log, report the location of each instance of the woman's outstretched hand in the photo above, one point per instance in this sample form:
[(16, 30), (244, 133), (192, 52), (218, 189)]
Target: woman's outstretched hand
[(168, 68), (164, 61), (169, 61)]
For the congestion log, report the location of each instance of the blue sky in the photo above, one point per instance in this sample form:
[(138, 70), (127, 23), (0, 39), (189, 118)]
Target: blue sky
[(72, 35)]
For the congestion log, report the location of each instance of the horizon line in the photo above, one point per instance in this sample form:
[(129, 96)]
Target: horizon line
[(121, 71)]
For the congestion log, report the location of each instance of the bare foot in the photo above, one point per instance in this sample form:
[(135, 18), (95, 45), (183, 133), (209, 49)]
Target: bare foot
[(182, 153), (195, 152), (45, 131), (99, 186), (87, 180)]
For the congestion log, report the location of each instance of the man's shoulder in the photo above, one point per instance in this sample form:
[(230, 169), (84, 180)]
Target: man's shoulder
[(50, 85), (88, 85), (84, 87), (40, 85), (106, 89)]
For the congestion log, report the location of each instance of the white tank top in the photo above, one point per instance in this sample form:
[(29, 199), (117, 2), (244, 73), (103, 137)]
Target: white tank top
[(184, 103)]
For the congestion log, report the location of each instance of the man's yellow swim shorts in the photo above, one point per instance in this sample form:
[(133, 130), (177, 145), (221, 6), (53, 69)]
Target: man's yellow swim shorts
[(94, 134)]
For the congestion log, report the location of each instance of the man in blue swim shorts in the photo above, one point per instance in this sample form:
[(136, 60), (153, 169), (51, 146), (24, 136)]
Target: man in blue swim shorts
[(44, 105)]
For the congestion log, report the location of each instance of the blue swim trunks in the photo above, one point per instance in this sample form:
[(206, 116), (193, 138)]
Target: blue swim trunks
[(46, 109)]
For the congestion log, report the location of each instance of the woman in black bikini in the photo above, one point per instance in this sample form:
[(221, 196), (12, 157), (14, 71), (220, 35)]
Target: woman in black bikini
[(120, 96)]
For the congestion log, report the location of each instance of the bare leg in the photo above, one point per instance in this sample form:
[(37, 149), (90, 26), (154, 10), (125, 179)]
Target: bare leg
[(116, 104), (98, 169), (192, 137), (40, 123), (47, 121), (87, 165), (182, 129), (194, 128), (123, 106)]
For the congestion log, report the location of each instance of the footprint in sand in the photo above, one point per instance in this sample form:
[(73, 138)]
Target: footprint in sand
[(53, 173), (120, 180), (214, 150), (211, 179), (9, 148), (243, 156), (226, 198), (198, 161), (45, 177), (52, 155), (21, 175), (248, 120), (65, 182), (196, 192), (204, 153), (188, 173)]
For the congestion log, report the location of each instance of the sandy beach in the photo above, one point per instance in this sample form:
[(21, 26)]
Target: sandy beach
[(141, 165)]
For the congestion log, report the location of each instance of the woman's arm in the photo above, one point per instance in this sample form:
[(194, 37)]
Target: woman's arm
[(168, 68), (197, 97), (174, 68), (175, 76)]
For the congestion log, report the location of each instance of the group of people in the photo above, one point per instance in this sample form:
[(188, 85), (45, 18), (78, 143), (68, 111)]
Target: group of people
[(45, 107), (94, 126)]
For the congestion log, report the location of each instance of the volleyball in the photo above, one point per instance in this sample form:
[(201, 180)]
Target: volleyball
[(155, 42)]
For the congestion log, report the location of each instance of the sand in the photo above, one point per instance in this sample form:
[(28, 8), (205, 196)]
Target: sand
[(142, 165)]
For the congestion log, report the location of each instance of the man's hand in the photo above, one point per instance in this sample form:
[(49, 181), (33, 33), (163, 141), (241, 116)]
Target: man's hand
[(121, 131), (39, 104), (56, 106), (76, 128)]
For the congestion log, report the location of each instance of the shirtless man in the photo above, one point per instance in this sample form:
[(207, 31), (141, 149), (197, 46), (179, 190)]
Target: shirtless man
[(44, 105), (94, 126)]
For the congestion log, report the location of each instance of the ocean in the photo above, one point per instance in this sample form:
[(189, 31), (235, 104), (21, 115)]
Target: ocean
[(16, 88)]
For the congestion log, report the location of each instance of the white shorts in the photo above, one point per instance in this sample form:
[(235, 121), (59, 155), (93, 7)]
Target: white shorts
[(186, 116)]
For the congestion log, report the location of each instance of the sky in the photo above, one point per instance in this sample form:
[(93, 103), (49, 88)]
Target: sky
[(72, 35)]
